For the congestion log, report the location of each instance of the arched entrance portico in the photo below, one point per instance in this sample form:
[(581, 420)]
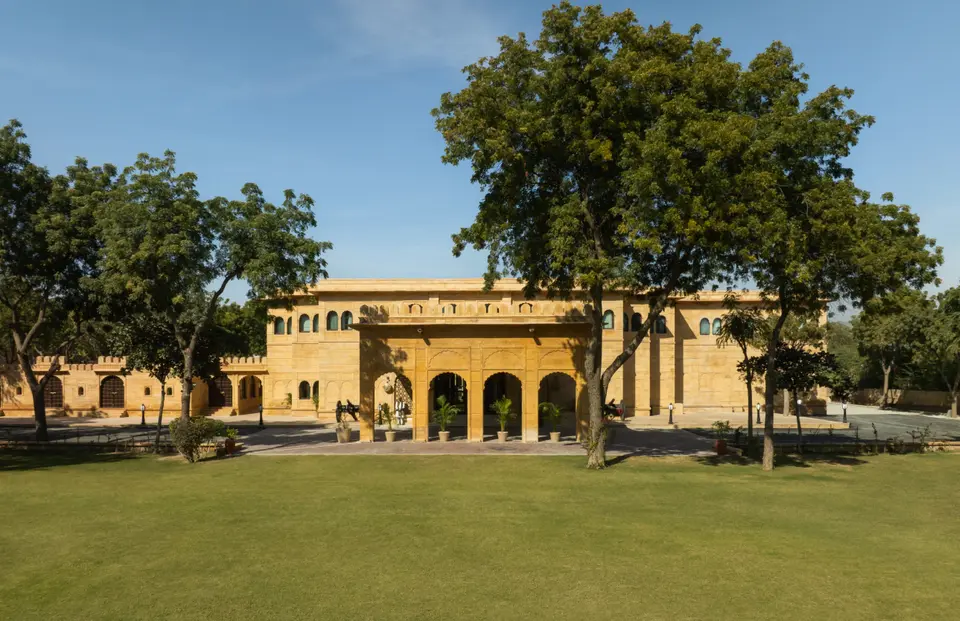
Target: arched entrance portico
[(250, 395), (561, 390), (496, 386), (454, 388)]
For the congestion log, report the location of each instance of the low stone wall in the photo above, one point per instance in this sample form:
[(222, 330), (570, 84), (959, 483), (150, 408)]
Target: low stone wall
[(923, 400)]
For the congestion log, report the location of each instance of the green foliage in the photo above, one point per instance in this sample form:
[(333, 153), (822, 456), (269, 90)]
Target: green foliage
[(503, 409), (551, 412), (240, 328), (189, 249), (798, 369), (189, 436), (841, 341), (316, 402), (886, 331), (445, 413), (721, 429), (937, 347), (232, 432), (288, 400)]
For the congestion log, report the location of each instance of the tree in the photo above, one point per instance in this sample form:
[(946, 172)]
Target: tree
[(885, 331), (612, 158), (841, 341), (241, 328), (48, 259), (149, 345), (938, 347), (814, 235), (742, 326), (798, 370), (171, 252)]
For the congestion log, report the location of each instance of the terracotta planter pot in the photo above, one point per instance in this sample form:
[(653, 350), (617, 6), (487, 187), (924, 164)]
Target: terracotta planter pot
[(721, 447), (343, 436), (502, 436), (444, 436), (554, 436), (390, 435), (230, 445)]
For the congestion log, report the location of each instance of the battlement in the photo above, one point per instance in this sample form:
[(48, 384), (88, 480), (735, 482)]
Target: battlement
[(241, 360)]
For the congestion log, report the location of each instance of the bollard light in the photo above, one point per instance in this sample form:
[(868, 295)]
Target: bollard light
[(143, 415), (261, 415), (843, 404), (758, 413), (670, 409)]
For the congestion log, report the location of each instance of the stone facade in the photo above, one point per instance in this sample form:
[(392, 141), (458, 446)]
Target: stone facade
[(397, 341)]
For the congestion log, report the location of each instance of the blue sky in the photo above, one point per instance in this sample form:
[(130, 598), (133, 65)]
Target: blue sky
[(333, 99)]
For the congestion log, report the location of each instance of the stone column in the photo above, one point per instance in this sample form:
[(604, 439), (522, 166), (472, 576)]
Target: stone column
[(235, 393), (475, 396), (368, 377), (421, 395), (531, 390)]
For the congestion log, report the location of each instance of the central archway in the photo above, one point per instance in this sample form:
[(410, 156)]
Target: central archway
[(454, 388), (396, 391), (561, 390), (502, 385)]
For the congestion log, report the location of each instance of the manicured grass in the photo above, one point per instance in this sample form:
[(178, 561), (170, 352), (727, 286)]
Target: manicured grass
[(477, 538)]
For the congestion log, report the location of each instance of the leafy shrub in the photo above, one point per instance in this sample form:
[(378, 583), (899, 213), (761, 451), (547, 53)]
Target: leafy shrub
[(551, 412), (189, 436), (721, 428)]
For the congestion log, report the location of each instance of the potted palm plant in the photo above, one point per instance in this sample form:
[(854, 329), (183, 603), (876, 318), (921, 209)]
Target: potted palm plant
[(387, 418), (230, 442), (502, 407), (343, 431), (551, 412), (721, 429), (445, 413)]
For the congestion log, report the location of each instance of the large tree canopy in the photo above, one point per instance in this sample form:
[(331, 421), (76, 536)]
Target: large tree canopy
[(173, 254), (48, 258), (612, 157)]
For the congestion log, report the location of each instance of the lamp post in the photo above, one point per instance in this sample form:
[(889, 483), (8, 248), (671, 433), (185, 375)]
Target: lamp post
[(260, 409), (843, 404), (143, 415), (670, 409), (799, 403), (758, 414)]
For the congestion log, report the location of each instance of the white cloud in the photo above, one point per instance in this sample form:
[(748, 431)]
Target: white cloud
[(450, 33)]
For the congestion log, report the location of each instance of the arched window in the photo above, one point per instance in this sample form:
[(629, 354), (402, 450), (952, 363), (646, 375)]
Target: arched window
[(316, 390), (333, 322), (304, 323), (661, 325), (289, 325), (526, 308), (19, 390), (169, 390), (415, 309), (316, 323), (626, 324), (53, 393), (636, 322), (304, 390), (146, 391), (346, 320), (608, 320), (80, 391), (111, 392), (278, 325), (704, 327), (716, 326)]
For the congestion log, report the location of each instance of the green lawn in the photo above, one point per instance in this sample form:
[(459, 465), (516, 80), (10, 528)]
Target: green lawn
[(477, 538)]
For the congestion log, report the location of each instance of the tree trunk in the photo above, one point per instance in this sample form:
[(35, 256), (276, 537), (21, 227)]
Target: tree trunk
[(596, 451), (886, 384), (793, 403), (186, 384), (953, 405), (163, 396), (749, 409), (39, 414), (770, 390)]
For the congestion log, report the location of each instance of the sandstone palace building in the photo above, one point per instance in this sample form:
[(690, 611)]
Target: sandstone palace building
[(404, 342)]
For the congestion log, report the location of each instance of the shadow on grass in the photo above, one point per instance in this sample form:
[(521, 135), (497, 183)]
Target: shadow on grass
[(781, 461), (13, 461)]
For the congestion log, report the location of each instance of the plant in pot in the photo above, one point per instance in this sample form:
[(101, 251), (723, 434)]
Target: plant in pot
[(316, 404), (230, 441), (387, 419), (721, 429), (445, 414), (503, 408), (343, 430), (551, 412)]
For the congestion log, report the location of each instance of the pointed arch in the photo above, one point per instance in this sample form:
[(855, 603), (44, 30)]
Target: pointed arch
[(717, 324), (111, 392), (636, 322), (333, 321), (53, 393), (608, 321), (303, 391), (346, 320), (278, 326), (704, 327), (304, 323)]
